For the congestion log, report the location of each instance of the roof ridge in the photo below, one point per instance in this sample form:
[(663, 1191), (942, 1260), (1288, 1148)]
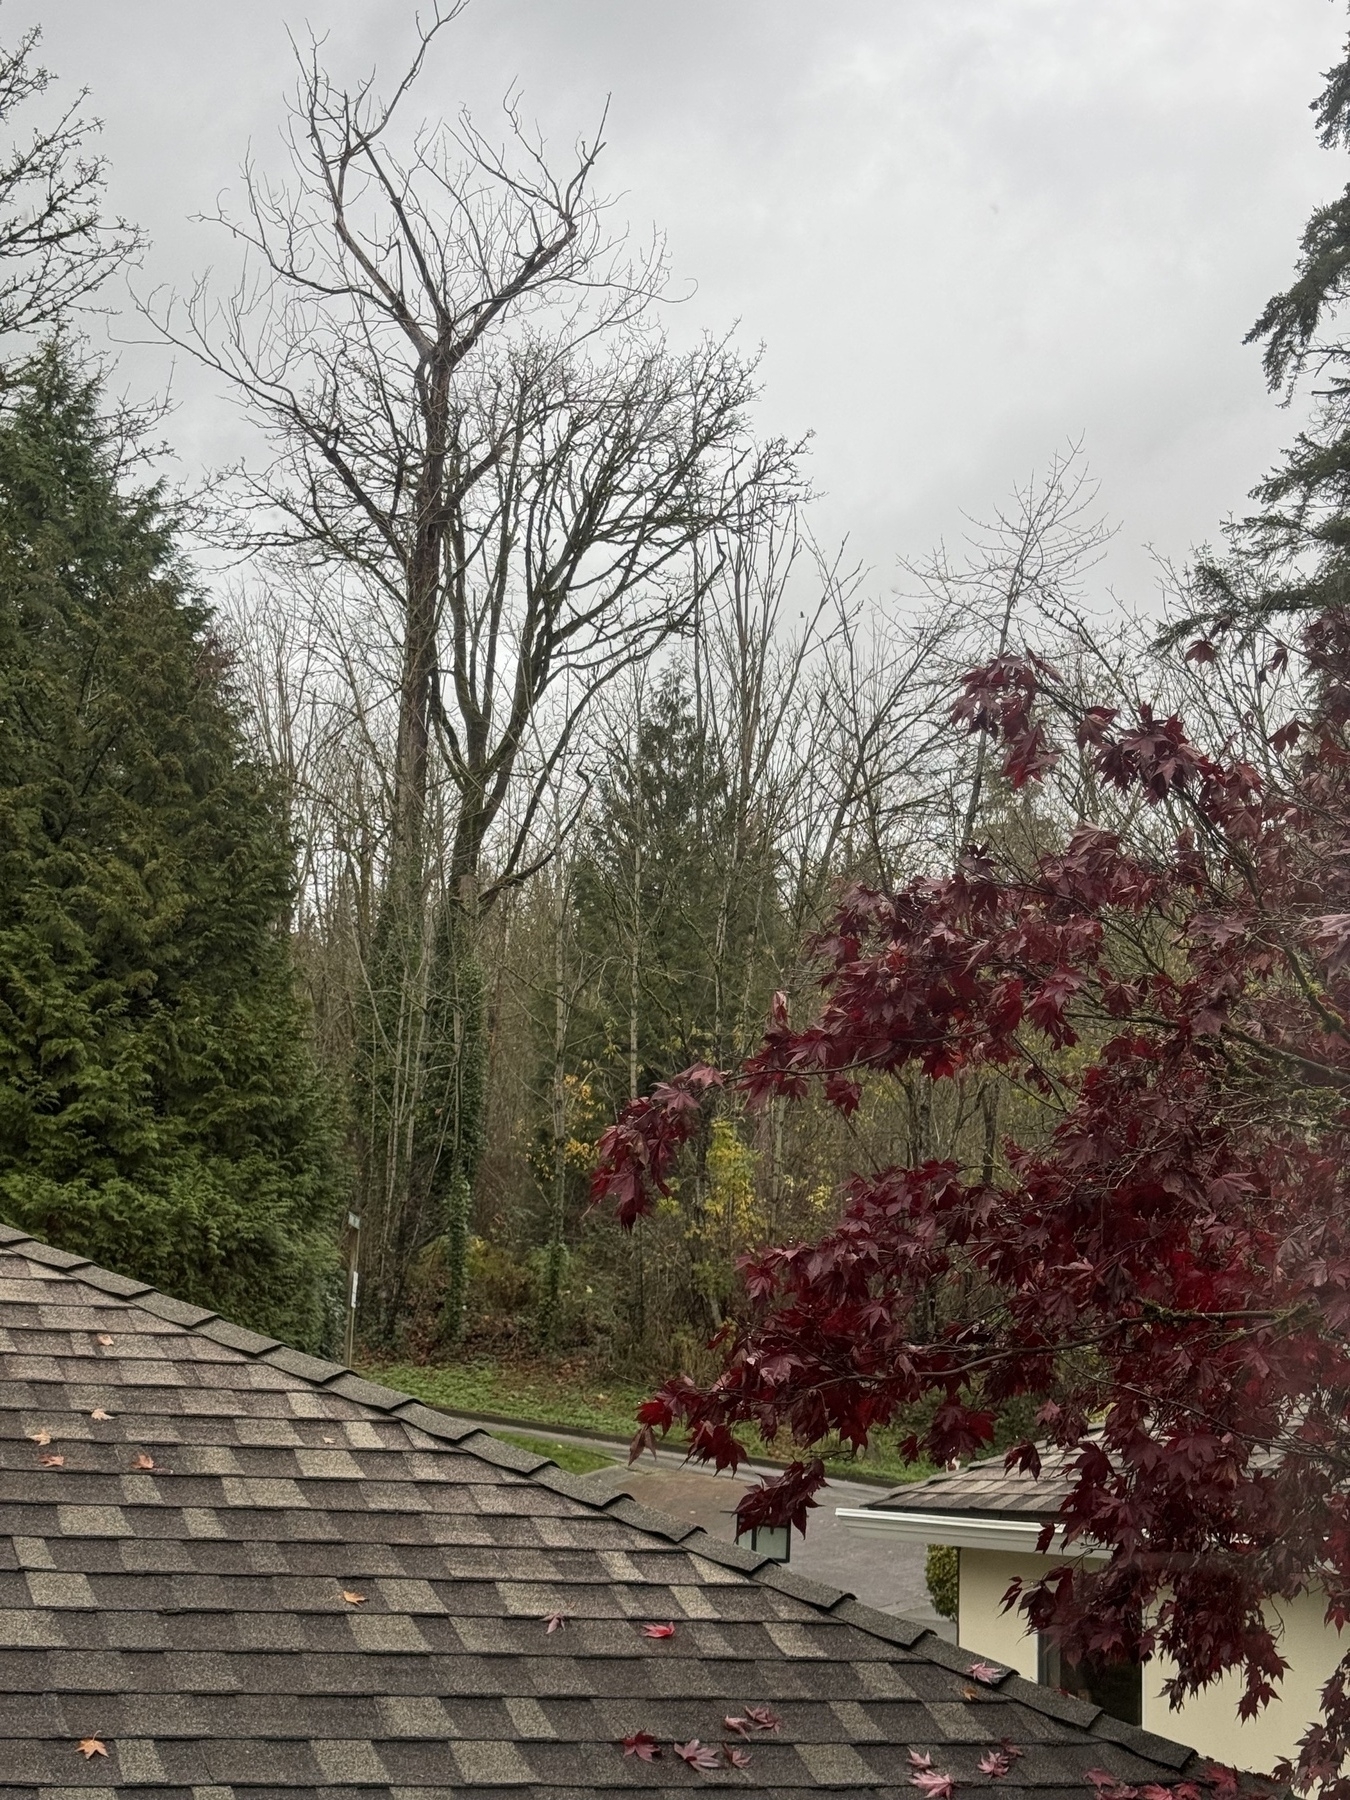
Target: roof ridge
[(337, 1378)]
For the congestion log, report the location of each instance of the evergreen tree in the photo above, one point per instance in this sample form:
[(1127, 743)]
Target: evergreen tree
[(678, 927), (677, 903), (159, 1110), (1291, 558)]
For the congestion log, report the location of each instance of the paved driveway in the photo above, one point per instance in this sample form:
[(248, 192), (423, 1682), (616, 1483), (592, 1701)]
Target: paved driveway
[(889, 1577)]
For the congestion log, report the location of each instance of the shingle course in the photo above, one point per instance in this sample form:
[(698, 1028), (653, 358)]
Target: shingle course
[(177, 1312), (985, 1487), (51, 1257), (192, 1613)]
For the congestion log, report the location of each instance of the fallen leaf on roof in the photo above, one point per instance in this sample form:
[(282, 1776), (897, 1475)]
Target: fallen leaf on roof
[(353, 1599), (144, 1462), (986, 1672), (920, 1759), (92, 1747), (736, 1757), (52, 1462), (98, 1413), (763, 1718), (642, 1745), (1010, 1750), (658, 1631), (329, 1440), (105, 1337), (556, 1622), (742, 1727), (970, 1693), (932, 1784), (698, 1756), (1109, 1786), (995, 1763), (40, 1437)]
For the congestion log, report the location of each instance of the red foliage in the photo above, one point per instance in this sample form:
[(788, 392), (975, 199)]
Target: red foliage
[(756, 1718), (697, 1755), (989, 1673), (636, 1153), (932, 1784), (1169, 1271), (763, 1718)]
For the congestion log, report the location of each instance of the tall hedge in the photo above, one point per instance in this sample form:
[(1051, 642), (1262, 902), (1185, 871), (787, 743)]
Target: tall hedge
[(159, 1110)]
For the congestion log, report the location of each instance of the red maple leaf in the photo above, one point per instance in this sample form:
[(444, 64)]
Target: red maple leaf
[(736, 1757), (763, 1718), (932, 1784), (994, 1763), (1111, 1787), (698, 1756), (642, 1745), (989, 1673), (658, 1631), (555, 1621)]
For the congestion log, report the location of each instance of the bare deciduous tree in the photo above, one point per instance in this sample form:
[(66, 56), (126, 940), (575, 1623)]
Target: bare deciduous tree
[(56, 247), (480, 435)]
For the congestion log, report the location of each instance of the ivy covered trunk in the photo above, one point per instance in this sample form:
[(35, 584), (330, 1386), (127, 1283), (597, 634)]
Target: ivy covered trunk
[(421, 1056)]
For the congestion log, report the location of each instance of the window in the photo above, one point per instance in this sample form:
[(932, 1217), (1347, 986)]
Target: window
[(1118, 1688)]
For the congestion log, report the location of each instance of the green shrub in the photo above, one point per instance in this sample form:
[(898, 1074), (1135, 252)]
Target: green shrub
[(942, 1571)]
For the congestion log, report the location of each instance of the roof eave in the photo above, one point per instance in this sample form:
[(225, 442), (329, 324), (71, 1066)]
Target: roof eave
[(962, 1531)]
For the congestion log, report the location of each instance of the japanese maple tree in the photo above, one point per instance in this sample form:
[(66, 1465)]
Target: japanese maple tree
[(1164, 1273), (1171, 1264)]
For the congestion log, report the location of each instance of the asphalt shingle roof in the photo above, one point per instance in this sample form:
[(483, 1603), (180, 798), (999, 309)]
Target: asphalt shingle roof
[(174, 1586), (986, 1488)]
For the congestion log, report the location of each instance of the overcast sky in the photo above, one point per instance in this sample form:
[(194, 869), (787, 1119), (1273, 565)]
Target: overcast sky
[(965, 230)]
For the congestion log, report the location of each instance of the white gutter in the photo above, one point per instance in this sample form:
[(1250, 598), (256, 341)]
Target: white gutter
[(964, 1531)]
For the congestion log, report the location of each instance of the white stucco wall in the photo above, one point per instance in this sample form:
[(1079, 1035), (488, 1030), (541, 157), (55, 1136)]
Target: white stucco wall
[(981, 1623), (1208, 1721)]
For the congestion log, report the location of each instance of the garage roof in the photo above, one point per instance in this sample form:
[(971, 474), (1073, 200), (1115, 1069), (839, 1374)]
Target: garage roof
[(246, 1574)]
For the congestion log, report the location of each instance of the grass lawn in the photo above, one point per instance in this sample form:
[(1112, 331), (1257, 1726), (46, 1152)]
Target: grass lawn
[(564, 1399), (533, 1392), (567, 1456)]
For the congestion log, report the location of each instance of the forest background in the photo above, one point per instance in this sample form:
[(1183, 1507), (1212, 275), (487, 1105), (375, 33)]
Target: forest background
[(516, 774)]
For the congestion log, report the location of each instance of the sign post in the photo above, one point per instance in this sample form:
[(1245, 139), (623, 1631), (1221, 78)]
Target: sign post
[(353, 1284)]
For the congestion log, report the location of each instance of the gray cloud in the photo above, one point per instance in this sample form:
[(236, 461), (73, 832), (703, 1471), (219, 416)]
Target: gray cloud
[(964, 229)]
